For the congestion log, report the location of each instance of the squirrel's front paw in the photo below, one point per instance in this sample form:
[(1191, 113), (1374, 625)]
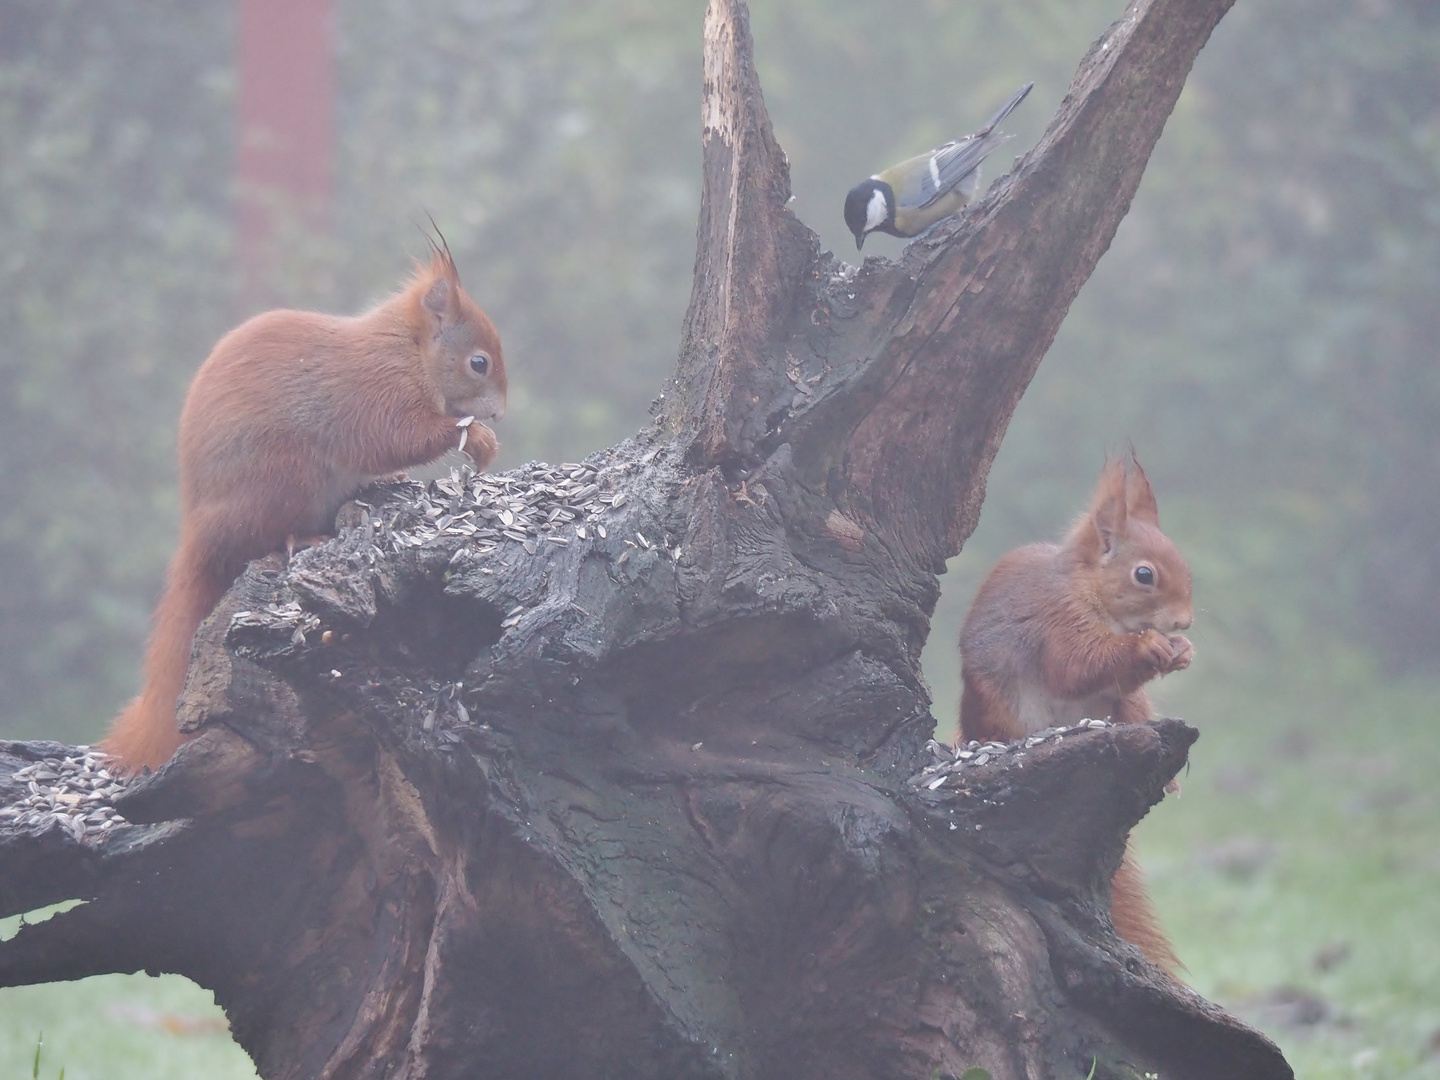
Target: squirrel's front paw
[(481, 445), (1156, 651), (1181, 652)]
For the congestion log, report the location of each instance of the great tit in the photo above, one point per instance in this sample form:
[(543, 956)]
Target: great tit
[(906, 199)]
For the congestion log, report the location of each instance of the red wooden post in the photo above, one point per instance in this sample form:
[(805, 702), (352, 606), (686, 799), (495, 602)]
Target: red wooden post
[(287, 124)]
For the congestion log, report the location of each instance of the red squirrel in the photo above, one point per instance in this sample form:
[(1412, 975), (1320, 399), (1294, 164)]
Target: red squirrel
[(290, 415), (1061, 632)]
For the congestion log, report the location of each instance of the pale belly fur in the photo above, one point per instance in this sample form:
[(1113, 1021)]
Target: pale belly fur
[(1039, 710)]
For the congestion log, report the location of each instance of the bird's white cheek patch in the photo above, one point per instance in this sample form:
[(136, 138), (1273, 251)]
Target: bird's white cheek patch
[(875, 210)]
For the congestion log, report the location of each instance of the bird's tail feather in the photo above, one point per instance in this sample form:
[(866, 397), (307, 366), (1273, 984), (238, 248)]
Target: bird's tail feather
[(1005, 110)]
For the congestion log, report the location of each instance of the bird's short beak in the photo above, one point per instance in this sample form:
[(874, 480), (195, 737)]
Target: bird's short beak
[(859, 241)]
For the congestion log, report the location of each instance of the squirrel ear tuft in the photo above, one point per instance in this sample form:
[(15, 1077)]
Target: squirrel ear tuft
[(442, 263), (1139, 495)]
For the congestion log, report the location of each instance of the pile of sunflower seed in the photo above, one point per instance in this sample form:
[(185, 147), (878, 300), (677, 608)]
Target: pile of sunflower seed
[(951, 762), (73, 792), (534, 504), (289, 616)]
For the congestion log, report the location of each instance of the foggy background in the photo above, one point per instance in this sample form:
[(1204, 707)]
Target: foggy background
[(1264, 331), (1264, 328)]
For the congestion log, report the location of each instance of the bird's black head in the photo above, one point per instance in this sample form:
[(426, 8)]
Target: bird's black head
[(869, 206)]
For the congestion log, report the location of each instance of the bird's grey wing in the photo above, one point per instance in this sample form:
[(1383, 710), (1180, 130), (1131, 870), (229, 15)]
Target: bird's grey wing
[(951, 163)]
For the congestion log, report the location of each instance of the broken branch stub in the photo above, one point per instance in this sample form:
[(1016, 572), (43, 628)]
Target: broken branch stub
[(751, 253), (892, 384)]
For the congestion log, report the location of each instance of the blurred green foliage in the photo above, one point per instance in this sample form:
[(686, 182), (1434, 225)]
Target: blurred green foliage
[(1263, 328), (115, 124)]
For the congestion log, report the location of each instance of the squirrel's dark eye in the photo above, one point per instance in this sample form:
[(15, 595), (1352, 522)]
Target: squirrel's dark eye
[(480, 364), (1145, 575)]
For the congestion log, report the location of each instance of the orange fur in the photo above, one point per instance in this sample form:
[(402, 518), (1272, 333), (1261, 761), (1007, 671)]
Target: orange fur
[(1060, 632), (1134, 915), (292, 413)]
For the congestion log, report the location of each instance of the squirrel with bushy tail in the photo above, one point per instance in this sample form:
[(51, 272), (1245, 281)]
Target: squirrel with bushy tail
[(291, 414), (1062, 632)]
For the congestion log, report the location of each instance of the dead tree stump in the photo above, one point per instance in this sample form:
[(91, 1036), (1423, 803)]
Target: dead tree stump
[(618, 769)]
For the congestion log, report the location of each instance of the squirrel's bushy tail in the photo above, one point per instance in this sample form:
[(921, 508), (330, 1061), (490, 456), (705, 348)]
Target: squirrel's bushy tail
[(145, 733), (1134, 916)]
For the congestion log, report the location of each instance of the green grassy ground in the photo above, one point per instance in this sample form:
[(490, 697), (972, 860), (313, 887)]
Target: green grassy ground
[(1298, 873), (118, 1027)]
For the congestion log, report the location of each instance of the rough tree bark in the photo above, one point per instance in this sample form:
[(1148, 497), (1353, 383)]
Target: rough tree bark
[(611, 770)]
